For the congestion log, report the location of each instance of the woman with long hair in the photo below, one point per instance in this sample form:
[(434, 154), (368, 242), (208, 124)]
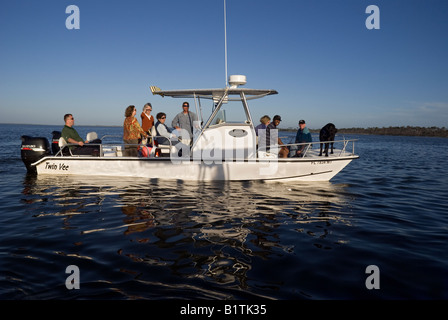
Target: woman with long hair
[(132, 131)]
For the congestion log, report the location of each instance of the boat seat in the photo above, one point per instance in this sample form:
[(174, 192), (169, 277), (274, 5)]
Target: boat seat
[(164, 149), (150, 138), (153, 131), (91, 136), (62, 144)]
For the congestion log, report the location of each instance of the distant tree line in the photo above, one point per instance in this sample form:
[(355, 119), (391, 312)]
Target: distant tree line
[(396, 131)]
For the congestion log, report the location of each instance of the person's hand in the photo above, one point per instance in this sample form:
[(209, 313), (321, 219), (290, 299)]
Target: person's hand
[(80, 143)]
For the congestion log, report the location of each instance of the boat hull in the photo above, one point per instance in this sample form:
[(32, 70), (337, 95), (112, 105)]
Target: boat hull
[(320, 169)]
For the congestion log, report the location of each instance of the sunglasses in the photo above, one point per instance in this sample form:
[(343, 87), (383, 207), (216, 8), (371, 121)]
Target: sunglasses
[(163, 118)]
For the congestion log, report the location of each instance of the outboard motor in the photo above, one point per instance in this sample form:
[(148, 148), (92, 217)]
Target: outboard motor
[(33, 149), (55, 141)]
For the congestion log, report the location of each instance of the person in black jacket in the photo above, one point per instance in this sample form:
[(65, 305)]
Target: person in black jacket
[(283, 152)]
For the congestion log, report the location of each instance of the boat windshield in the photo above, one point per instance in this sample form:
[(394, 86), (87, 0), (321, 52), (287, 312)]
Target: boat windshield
[(230, 112)]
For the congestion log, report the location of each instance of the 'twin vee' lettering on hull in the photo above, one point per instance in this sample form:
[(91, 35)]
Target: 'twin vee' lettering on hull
[(53, 166)]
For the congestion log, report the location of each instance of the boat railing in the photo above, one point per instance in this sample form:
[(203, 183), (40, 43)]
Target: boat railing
[(115, 148), (111, 136), (118, 149), (348, 146)]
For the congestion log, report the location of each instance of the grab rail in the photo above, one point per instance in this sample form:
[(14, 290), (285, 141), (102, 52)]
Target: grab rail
[(123, 145), (310, 144)]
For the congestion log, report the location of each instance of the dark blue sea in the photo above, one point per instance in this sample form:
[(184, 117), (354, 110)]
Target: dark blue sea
[(135, 239)]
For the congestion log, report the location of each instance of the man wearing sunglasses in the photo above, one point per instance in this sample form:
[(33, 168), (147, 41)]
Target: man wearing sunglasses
[(185, 120), (71, 136)]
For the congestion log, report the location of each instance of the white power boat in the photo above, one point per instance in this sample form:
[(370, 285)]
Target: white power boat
[(223, 147)]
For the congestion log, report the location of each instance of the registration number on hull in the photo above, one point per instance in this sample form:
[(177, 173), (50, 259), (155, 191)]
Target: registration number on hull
[(321, 162)]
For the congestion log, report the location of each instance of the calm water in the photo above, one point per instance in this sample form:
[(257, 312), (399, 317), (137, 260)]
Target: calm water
[(145, 239)]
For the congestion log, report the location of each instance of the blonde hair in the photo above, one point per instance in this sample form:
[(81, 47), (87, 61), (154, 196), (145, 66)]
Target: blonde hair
[(265, 119)]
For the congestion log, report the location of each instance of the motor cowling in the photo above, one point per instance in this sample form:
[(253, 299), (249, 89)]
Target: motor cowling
[(33, 149)]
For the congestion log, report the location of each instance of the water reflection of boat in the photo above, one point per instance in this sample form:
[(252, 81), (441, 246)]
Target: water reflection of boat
[(215, 231), (208, 204), (221, 148)]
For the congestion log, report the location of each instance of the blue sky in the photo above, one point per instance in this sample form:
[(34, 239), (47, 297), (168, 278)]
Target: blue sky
[(318, 54)]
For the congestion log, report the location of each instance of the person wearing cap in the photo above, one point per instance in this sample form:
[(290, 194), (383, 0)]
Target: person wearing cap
[(303, 136), (185, 119), (283, 152)]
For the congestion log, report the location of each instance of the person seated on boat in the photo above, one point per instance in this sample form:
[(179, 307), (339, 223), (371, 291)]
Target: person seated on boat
[(71, 136), (271, 129), (132, 131), (264, 122), (303, 136), (164, 134)]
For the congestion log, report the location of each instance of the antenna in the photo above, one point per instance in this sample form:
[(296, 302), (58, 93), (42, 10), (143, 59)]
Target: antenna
[(225, 40)]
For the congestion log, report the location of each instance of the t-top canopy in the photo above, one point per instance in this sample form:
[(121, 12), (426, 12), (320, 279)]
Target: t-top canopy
[(214, 93)]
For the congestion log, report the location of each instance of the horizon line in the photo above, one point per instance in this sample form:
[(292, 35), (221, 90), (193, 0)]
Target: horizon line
[(117, 126)]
